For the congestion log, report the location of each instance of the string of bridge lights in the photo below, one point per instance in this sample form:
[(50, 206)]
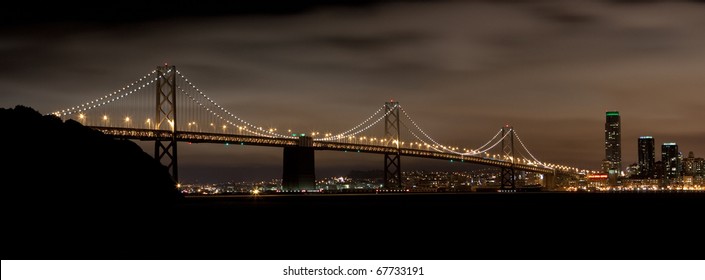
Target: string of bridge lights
[(347, 133), (228, 113), (476, 151), (423, 132), (90, 105), (372, 124), (419, 138), (431, 138), (488, 142), (480, 149), (527, 150), (496, 143), (221, 117)]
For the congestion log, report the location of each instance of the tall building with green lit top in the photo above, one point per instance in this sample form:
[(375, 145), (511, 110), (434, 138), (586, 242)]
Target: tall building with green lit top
[(613, 145)]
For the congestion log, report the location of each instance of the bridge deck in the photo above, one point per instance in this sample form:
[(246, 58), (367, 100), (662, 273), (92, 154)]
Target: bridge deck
[(202, 137)]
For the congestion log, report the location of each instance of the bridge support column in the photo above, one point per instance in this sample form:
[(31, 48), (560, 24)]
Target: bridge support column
[(508, 179), (392, 171), (549, 180), (392, 161), (165, 148), (299, 165)]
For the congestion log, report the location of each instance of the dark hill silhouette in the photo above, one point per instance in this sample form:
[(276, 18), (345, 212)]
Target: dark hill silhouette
[(50, 159), (62, 181)]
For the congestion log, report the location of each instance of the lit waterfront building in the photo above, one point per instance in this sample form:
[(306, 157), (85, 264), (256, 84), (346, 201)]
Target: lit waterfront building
[(613, 146), (693, 166), (693, 170)]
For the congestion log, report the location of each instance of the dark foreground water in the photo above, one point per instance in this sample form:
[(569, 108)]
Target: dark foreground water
[(402, 226)]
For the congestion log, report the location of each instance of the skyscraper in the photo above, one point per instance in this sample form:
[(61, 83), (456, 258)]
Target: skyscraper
[(671, 160), (613, 145), (647, 157)]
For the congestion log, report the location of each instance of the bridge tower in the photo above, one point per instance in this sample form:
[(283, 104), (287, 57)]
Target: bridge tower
[(165, 119), (507, 174), (392, 161)]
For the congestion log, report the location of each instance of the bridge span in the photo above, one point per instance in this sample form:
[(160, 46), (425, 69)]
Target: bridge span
[(132, 113)]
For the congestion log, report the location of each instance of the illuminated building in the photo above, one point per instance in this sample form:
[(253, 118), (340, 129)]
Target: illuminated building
[(633, 171), (613, 145), (597, 180), (647, 157), (693, 166), (671, 161), (605, 166)]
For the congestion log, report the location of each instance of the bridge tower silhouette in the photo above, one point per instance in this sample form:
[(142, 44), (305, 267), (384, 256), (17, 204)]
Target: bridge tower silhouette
[(165, 147), (392, 161), (508, 180)]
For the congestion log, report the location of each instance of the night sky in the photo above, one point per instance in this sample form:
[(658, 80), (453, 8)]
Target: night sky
[(462, 68)]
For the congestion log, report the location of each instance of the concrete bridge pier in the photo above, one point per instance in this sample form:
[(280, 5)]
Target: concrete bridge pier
[(549, 180), (299, 165)]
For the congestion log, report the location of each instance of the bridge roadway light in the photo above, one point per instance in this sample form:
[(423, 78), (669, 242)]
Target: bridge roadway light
[(193, 124)]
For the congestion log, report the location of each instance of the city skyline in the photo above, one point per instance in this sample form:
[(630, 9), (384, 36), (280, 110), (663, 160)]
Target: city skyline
[(550, 70)]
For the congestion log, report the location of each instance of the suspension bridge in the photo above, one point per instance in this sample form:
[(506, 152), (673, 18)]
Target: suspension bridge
[(165, 107)]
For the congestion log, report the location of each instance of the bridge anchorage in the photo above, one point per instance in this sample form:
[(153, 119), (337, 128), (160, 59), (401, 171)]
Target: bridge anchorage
[(133, 112)]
